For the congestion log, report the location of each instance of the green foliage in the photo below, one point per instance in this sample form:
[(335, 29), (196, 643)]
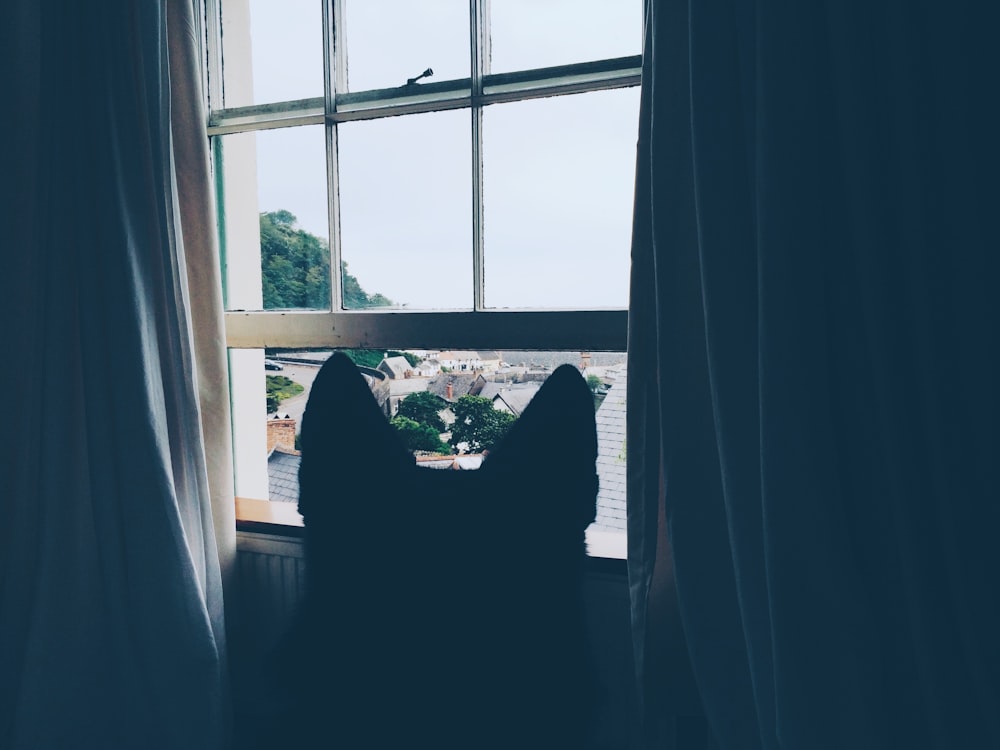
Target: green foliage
[(423, 407), (356, 298), (419, 437), (364, 357), (279, 388), (478, 424), (596, 390), (295, 268)]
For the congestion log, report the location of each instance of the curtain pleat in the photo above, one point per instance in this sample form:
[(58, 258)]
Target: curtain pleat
[(111, 606), (196, 208), (812, 356)]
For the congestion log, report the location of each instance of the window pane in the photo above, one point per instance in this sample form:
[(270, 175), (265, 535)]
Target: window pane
[(507, 380), (275, 219), (272, 50), (389, 42), (529, 34), (405, 211), (559, 178)]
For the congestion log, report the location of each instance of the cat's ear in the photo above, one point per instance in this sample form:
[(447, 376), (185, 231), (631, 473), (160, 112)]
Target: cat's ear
[(553, 444), (345, 440)]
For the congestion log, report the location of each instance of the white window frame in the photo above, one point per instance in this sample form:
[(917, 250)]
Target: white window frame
[(480, 328)]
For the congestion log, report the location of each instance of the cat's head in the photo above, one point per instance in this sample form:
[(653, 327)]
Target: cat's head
[(541, 472)]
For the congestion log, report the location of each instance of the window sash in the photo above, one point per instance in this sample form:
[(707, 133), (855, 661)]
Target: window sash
[(481, 328), (430, 97)]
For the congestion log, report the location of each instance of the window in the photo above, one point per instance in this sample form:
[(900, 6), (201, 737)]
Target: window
[(452, 175)]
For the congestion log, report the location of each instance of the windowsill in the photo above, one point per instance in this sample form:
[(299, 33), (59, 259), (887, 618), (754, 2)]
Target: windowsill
[(283, 519), (265, 517)]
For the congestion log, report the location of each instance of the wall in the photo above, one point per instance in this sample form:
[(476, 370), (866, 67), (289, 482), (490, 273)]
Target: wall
[(271, 577)]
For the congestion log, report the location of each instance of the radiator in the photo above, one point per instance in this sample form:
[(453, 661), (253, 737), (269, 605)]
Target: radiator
[(271, 575), (271, 572)]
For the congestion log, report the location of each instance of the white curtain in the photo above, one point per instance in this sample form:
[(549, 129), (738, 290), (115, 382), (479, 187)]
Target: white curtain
[(117, 521)]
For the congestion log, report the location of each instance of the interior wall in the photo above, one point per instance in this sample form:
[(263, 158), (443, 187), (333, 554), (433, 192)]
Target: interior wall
[(271, 570)]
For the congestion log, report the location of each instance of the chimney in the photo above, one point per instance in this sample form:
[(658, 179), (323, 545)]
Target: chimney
[(450, 392), (281, 435)]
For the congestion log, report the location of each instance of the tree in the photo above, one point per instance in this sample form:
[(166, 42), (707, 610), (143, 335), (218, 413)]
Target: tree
[(597, 390), (372, 357), (295, 268), (419, 437), (295, 265), (423, 407), (279, 388), (478, 424)]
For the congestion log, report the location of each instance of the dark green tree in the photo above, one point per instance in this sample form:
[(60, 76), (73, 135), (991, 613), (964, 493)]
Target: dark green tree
[(295, 268), (295, 265), (423, 407), (419, 437), (478, 424)]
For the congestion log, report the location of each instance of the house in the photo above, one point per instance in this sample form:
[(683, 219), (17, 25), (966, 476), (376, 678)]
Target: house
[(399, 389), (396, 368), (427, 368), (283, 476), (611, 458), (490, 361), (452, 386), (461, 361), (510, 397)]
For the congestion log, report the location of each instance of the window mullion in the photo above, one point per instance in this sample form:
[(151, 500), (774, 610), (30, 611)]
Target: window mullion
[(333, 81), (213, 59), (479, 48)]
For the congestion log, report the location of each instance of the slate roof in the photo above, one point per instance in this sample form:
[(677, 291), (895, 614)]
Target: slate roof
[(283, 476), (462, 384), (611, 458), (515, 395)]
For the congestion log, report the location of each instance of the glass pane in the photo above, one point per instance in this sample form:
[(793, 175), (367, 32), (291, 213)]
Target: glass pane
[(405, 211), (272, 50), (527, 34), (424, 387), (559, 179), (275, 219), (389, 42)]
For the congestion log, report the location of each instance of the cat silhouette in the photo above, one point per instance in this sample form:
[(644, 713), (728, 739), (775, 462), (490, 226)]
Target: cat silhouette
[(443, 609)]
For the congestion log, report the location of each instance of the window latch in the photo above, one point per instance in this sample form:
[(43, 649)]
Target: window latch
[(426, 74)]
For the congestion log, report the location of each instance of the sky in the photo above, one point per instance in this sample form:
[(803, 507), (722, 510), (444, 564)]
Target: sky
[(558, 172)]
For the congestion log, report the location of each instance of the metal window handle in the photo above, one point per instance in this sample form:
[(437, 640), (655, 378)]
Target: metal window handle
[(426, 74)]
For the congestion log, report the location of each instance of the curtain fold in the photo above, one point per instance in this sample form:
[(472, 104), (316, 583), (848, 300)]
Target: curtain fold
[(203, 275), (812, 356), (111, 606)]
